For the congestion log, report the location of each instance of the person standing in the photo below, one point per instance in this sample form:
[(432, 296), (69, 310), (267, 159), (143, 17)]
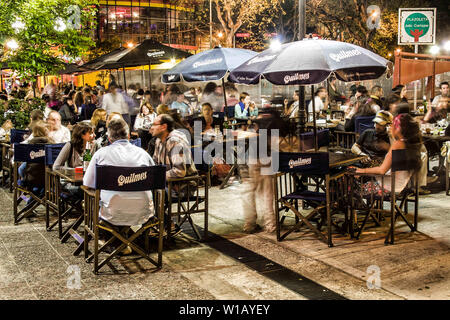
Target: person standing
[(114, 102)]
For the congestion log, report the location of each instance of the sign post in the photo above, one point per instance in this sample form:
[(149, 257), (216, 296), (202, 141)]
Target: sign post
[(416, 26)]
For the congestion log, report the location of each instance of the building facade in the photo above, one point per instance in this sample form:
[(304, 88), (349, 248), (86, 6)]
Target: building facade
[(136, 20)]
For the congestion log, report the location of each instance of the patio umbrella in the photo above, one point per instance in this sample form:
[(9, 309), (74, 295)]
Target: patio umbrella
[(147, 52), (209, 65), (309, 62), (72, 68)]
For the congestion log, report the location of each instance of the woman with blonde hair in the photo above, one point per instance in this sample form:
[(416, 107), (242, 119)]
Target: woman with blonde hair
[(162, 109), (98, 122)]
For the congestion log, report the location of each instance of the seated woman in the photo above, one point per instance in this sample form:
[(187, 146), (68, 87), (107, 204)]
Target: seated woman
[(33, 174), (406, 133), (71, 155), (143, 123), (208, 121), (145, 117), (361, 109), (253, 110), (98, 122), (103, 139)]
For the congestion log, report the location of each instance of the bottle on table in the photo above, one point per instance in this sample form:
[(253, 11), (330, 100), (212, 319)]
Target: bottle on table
[(87, 156)]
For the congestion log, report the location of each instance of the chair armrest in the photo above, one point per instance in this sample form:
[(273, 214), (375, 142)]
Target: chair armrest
[(88, 191), (190, 178)]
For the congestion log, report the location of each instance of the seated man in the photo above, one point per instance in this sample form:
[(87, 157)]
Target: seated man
[(121, 208), (172, 148), (374, 143)]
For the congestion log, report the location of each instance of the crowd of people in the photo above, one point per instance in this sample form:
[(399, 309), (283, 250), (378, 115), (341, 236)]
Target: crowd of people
[(104, 121)]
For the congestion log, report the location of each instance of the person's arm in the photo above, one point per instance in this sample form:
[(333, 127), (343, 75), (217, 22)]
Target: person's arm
[(387, 163), (177, 158), (63, 156)]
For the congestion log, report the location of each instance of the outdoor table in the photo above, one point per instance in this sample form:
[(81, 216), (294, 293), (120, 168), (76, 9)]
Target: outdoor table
[(69, 175)]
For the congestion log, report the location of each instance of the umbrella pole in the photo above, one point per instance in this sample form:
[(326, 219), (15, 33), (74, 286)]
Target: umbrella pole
[(224, 94), (1, 78), (302, 114), (124, 80), (313, 98)]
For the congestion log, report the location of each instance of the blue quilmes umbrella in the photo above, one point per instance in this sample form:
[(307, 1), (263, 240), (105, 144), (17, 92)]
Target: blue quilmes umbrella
[(309, 62), (210, 65)]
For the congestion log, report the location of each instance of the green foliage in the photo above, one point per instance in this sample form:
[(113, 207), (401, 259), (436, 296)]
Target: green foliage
[(18, 111), (42, 48)]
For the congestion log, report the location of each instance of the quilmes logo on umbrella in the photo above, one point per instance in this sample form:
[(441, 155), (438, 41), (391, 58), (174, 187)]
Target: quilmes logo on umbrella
[(296, 77), (207, 62), (154, 54), (299, 162), (132, 178), (344, 54)]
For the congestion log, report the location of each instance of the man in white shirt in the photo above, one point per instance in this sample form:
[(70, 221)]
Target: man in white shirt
[(321, 101), (57, 131), (114, 102), (443, 87), (121, 208)]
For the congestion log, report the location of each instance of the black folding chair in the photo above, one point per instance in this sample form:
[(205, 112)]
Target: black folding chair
[(29, 153), (133, 179), (372, 205), (190, 195), (52, 185), (290, 190)]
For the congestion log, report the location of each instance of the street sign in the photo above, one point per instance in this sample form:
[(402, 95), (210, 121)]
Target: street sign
[(416, 26)]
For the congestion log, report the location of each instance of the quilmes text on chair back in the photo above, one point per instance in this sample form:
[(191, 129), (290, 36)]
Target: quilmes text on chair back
[(314, 163), (31, 153), (115, 178)]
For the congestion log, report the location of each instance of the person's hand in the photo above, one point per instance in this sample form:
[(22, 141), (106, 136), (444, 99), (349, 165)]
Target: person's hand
[(365, 160), (286, 101)]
